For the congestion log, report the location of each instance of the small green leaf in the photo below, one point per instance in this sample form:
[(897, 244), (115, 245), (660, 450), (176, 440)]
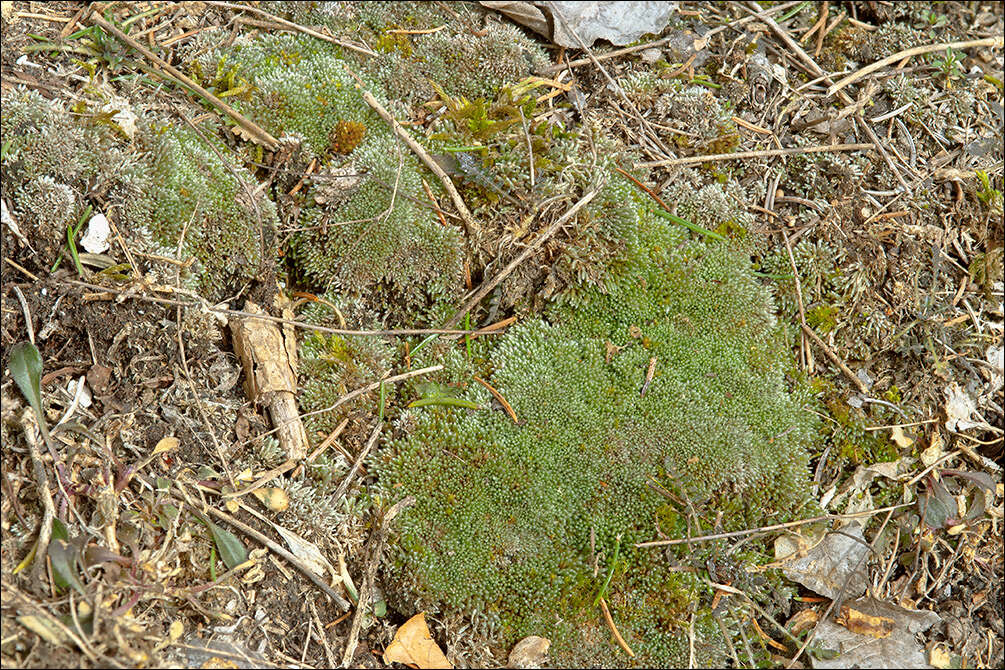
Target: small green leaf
[(232, 551), (26, 368), (64, 565)]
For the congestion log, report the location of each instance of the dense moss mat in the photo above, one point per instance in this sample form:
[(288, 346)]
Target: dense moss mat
[(505, 512)]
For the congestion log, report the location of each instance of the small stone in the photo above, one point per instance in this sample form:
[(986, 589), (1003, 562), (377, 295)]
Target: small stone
[(530, 652)]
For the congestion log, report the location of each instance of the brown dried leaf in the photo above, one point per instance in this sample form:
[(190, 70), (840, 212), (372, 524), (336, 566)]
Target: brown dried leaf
[(413, 645), (865, 624), (168, 443)]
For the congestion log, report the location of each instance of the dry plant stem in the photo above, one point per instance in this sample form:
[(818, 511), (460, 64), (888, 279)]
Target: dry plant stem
[(254, 130), (199, 406), (203, 305), (883, 153), (487, 286), (694, 160), (777, 526), (375, 547), (322, 634), (29, 425), (424, 157), (852, 377), (498, 396), (373, 387), (341, 602), (288, 465), (799, 292), (993, 42), (347, 480), (643, 123), (293, 26), (9, 590), (794, 47), (614, 629)]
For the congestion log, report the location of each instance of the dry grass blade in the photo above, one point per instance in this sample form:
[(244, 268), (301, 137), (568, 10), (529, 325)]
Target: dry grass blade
[(289, 25), (695, 160), (484, 289), (260, 135), (423, 156), (498, 396), (993, 42)]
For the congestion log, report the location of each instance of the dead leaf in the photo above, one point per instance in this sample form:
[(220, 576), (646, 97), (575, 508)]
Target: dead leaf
[(959, 407), (837, 560), (934, 451), (413, 645), (865, 624), (308, 553), (43, 629), (902, 440), (530, 652), (802, 620), (276, 499), (839, 647), (166, 444)]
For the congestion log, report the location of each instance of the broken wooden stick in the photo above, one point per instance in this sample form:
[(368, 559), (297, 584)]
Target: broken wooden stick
[(269, 358)]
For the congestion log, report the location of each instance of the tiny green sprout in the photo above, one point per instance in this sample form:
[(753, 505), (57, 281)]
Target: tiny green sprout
[(610, 572), (690, 226), (988, 194), (949, 66)]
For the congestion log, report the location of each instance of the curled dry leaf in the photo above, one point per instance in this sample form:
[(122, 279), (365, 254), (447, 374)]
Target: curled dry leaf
[(865, 624), (900, 438), (169, 443), (276, 499), (414, 646)]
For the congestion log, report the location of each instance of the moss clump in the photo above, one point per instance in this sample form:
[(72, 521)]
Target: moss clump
[(227, 225), (505, 512), (346, 136), (364, 235), (54, 165)]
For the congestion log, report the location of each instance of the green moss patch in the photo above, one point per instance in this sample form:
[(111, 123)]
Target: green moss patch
[(505, 512)]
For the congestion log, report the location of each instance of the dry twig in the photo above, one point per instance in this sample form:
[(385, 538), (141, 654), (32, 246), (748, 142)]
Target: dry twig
[(289, 25), (992, 42), (487, 286), (694, 160), (257, 133)]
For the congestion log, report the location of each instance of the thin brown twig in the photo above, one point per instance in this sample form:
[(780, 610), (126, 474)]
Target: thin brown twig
[(992, 42), (294, 26), (614, 629), (498, 396), (375, 548), (256, 132), (693, 160), (643, 122), (423, 155), (765, 529), (852, 377), (254, 534), (52, 622), (393, 332), (799, 294), (487, 286), (882, 152), (29, 424), (347, 480)]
